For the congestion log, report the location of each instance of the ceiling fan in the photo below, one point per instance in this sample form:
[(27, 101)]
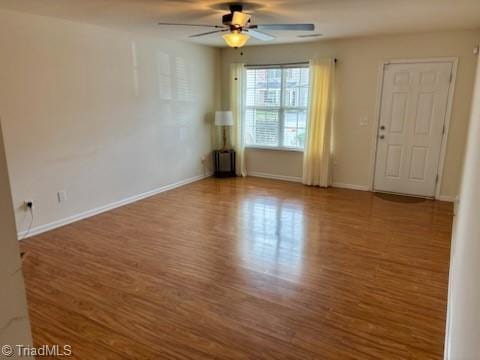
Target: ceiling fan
[(237, 24)]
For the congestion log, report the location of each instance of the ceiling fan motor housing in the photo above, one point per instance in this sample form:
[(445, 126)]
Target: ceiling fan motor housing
[(228, 18)]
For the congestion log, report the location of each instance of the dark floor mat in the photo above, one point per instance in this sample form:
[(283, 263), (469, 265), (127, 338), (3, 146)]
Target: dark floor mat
[(400, 198)]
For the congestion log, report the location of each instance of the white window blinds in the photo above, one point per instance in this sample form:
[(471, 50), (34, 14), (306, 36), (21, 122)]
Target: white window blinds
[(276, 107)]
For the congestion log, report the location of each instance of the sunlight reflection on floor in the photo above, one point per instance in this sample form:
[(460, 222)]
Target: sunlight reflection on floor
[(273, 230)]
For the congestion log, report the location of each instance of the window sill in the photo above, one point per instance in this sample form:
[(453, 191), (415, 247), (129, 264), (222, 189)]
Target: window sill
[(254, 147)]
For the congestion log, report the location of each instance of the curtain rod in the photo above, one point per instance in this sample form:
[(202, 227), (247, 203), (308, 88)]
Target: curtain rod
[(284, 64)]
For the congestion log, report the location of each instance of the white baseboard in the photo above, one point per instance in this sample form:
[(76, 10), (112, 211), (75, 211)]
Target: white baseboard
[(275, 177), (299, 179), (447, 198), (89, 213), (351, 186)]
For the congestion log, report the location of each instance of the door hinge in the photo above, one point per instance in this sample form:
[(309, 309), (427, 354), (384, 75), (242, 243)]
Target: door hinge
[(443, 130), (451, 78), (436, 179)]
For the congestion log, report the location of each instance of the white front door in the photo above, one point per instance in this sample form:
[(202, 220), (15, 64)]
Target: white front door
[(411, 127)]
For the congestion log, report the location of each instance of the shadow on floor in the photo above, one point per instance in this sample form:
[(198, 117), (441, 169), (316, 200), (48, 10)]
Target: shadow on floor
[(400, 198)]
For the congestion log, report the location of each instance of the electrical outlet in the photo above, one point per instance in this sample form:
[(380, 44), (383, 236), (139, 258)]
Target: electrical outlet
[(28, 204), (62, 196)]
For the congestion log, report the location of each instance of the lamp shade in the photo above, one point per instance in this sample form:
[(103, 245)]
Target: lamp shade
[(236, 39), (223, 118)]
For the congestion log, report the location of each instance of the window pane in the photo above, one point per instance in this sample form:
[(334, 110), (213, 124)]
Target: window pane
[(294, 137), (296, 87), (291, 97), (294, 128), (251, 79), (291, 118), (260, 77), (302, 119), (303, 97), (274, 77), (292, 77), (267, 97), (304, 77), (301, 137), (250, 98), (268, 113), (262, 127), (290, 137), (296, 97), (264, 87)]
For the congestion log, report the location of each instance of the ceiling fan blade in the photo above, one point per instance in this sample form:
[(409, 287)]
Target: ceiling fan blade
[(199, 25), (260, 35), (240, 18), (207, 33), (292, 27)]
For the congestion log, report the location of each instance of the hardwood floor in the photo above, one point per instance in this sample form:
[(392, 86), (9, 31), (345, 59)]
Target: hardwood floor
[(246, 268)]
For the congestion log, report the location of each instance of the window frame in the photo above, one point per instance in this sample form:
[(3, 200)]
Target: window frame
[(281, 109)]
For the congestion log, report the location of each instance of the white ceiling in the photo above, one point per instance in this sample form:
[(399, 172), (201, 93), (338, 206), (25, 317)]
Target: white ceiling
[(333, 18)]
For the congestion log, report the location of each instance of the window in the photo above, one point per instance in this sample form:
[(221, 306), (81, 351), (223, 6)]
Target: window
[(276, 107)]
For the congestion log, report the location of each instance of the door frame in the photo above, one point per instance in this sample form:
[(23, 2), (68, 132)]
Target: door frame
[(448, 114)]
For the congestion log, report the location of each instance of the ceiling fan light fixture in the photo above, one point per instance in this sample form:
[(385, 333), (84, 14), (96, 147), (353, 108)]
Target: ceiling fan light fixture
[(236, 39)]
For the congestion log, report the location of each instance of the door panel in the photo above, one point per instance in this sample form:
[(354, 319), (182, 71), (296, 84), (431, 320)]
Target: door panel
[(412, 116), (423, 120), (394, 161), (418, 163), (399, 109)]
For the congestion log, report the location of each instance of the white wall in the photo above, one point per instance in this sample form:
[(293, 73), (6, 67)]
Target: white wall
[(14, 323), (357, 80), (101, 114), (463, 329)]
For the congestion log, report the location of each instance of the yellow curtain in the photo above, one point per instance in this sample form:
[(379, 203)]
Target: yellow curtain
[(317, 154), (237, 96)]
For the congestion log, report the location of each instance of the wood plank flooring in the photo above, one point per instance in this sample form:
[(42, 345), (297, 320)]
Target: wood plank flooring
[(246, 269)]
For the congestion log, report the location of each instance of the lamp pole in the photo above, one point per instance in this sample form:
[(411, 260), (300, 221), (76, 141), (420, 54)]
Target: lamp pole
[(224, 138)]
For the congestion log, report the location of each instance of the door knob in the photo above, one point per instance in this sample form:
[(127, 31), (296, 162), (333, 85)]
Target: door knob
[(382, 137), (382, 127)]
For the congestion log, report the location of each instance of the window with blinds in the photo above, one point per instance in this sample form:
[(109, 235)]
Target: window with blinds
[(276, 107)]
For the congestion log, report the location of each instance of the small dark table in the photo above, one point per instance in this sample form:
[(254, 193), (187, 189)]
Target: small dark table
[(224, 163)]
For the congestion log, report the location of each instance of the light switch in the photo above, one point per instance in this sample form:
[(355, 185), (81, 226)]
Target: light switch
[(364, 121)]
